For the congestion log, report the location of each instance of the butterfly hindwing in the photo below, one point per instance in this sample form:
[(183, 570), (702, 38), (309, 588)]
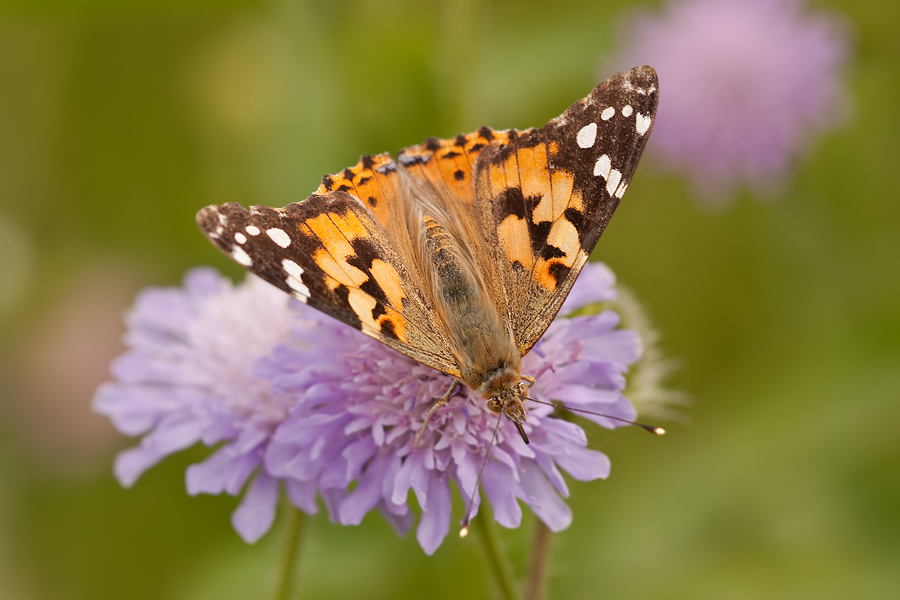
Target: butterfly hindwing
[(374, 181), (546, 195), (448, 166)]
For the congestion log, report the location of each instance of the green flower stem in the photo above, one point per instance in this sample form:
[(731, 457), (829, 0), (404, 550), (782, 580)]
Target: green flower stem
[(290, 565), (537, 566), (497, 561)]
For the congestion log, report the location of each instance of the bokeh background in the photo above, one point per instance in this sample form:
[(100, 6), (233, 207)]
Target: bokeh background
[(118, 120)]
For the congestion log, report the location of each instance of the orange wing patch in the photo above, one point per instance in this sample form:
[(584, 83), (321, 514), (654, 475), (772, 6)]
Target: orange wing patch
[(504, 176), (531, 164), (448, 164), (564, 237), (387, 277), (535, 200), (366, 307), (373, 180), (337, 232), (513, 237)]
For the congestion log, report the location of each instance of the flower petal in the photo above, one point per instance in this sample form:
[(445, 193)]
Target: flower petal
[(543, 500), (366, 496), (400, 522), (302, 495), (501, 491), (210, 476), (256, 512), (594, 284), (130, 464), (435, 523)]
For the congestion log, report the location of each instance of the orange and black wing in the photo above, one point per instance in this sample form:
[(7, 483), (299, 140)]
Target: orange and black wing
[(545, 196), (332, 252)]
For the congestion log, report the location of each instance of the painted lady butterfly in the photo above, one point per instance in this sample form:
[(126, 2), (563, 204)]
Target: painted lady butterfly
[(460, 252)]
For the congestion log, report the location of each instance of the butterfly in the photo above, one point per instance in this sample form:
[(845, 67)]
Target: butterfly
[(461, 251)]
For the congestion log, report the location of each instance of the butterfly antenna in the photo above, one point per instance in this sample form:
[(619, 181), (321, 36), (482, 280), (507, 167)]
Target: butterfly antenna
[(464, 530), (650, 428)]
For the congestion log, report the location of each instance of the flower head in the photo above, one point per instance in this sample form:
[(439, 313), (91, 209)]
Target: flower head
[(187, 377), (356, 416), (292, 396), (746, 85)]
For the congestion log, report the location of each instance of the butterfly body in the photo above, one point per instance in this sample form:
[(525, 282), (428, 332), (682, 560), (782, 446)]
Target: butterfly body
[(461, 252), (489, 360), (482, 345)]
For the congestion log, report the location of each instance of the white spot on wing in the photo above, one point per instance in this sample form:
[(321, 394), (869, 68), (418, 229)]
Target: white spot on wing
[(627, 110), (252, 229), (279, 237), (602, 167), (642, 124), (621, 191), (242, 257), (587, 135), (294, 279), (612, 182), (220, 228), (607, 113), (240, 238), (292, 268)]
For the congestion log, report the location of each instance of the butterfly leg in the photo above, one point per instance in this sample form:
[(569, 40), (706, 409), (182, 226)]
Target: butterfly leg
[(528, 379), (434, 408)]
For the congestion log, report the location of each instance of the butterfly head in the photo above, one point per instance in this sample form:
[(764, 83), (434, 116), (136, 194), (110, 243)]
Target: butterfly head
[(509, 402)]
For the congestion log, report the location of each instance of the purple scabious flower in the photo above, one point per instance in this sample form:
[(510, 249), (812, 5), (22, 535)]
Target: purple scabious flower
[(747, 83), (292, 397), (188, 377), (358, 405)]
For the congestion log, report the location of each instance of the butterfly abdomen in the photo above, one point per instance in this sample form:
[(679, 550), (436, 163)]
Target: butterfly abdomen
[(458, 289), (483, 345)]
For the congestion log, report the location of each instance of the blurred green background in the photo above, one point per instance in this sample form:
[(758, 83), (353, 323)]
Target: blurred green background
[(118, 120)]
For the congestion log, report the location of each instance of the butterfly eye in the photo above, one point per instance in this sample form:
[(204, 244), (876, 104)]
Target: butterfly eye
[(494, 405)]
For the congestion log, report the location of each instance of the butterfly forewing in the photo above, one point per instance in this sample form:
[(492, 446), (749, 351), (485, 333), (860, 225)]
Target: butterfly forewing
[(329, 252), (546, 196)]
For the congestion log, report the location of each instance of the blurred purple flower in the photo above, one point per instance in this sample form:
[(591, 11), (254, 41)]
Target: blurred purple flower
[(187, 377), (294, 396), (746, 84)]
